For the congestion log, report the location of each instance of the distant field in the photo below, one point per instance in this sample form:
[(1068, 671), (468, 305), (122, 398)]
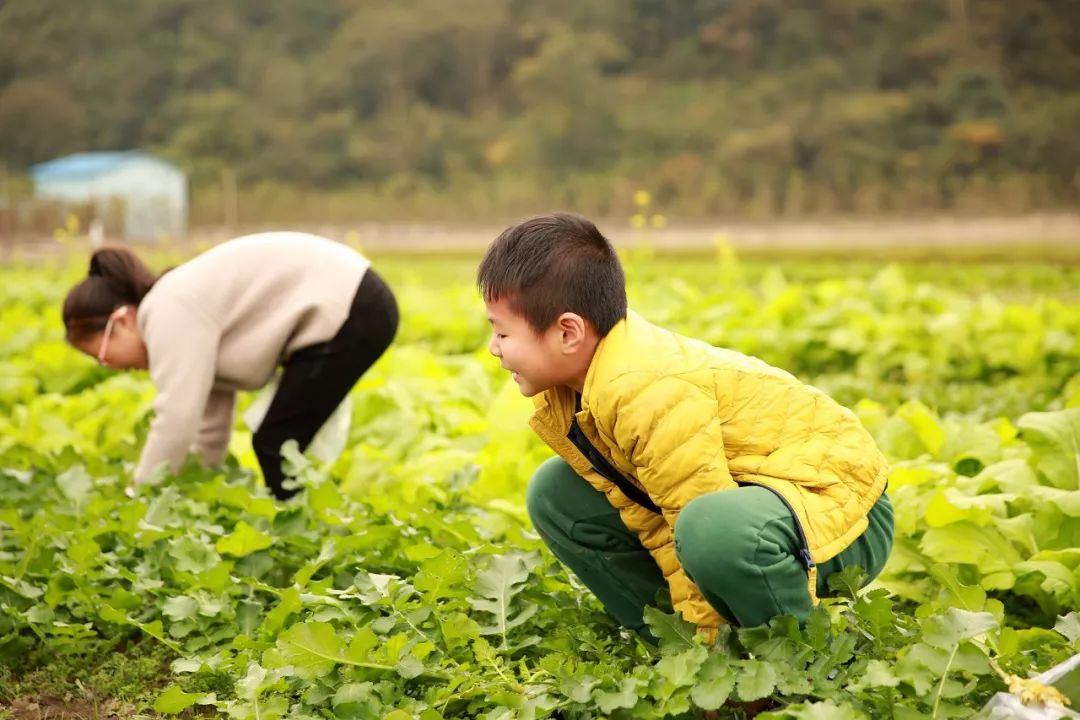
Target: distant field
[(1047, 238), (1050, 237)]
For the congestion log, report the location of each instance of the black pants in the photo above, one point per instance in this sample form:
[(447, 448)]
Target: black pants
[(318, 377)]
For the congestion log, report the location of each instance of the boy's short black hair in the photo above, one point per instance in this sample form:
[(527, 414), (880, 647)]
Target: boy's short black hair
[(552, 264)]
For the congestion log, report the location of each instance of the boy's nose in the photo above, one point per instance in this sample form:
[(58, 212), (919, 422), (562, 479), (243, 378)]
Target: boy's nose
[(493, 347)]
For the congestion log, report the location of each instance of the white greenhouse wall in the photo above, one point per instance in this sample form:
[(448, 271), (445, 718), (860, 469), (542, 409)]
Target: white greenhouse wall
[(154, 196)]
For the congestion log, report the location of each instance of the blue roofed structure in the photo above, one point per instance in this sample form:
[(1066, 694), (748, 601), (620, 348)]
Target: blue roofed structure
[(151, 193)]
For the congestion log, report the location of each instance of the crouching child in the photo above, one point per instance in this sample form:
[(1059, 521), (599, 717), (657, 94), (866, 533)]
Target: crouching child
[(677, 464)]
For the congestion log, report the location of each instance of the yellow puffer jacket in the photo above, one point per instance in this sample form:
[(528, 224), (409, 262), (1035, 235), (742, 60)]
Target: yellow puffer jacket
[(681, 418)]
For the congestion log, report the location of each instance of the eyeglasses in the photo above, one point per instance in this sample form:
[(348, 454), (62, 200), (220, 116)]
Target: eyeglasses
[(104, 349)]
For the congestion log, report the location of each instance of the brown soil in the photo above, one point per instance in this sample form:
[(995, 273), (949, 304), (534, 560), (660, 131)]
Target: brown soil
[(54, 708)]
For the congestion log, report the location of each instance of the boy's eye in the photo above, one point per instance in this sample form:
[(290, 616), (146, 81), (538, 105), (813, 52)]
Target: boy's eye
[(500, 336)]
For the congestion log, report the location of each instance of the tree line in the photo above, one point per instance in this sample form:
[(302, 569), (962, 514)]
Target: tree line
[(718, 107)]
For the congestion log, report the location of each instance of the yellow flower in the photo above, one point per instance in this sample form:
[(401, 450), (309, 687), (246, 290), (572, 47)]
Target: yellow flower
[(658, 221), (1031, 691), (642, 198), (499, 151), (637, 221)]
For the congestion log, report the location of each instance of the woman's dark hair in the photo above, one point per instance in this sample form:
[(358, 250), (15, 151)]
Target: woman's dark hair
[(553, 264), (116, 278)]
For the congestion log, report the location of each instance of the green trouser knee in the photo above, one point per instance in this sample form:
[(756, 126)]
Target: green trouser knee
[(586, 534), (739, 546)]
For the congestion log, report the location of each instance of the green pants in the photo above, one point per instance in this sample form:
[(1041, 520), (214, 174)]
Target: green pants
[(738, 546)]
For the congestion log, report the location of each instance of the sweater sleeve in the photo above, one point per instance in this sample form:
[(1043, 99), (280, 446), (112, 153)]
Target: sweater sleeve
[(212, 441), (182, 345)]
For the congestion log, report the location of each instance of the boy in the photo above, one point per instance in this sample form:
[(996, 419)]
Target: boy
[(679, 463)]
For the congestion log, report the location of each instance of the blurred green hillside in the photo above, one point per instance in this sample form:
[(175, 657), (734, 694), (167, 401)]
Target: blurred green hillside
[(750, 108)]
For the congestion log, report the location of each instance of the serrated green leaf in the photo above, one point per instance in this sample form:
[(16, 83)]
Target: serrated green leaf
[(578, 689), (111, 614), (1055, 438), (191, 555), (75, 483), (681, 669), (968, 597), (625, 696), (353, 693), (243, 540), (1058, 571), (373, 587), (408, 666), (174, 700), (877, 674), (185, 665), (40, 614), (755, 680), (950, 627), (674, 633), (1069, 626), (823, 710), (182, 607), (926, 425), (312, 648), (848, 581), (921, 667), (964, 542), (818, 628), (498, 584), (363, 642), (442, 576), (715, 682), (288, 603), (253, 683), (326, 553)]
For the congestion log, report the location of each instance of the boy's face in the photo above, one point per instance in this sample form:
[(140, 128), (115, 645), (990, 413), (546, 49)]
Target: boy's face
[(537, 362)]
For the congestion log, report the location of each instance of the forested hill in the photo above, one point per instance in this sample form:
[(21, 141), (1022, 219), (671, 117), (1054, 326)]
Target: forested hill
[(782, 106)]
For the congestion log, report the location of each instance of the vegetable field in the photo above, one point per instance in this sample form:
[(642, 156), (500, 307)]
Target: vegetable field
[(406, 581)]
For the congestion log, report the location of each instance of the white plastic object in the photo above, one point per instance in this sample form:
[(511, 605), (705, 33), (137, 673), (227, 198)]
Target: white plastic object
[(329, 441)]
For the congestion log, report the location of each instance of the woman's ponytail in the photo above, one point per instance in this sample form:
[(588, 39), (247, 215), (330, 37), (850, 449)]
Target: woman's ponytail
[(127, 275), (117, 277)]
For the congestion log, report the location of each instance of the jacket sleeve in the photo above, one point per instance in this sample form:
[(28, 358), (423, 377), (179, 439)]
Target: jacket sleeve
[(212, 442), (182, 347), (669, 428)]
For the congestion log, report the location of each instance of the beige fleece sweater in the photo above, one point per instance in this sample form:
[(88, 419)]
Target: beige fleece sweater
[(224, 321)]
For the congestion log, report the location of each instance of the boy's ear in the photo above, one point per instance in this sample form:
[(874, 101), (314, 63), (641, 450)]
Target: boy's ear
[(573, 330)]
